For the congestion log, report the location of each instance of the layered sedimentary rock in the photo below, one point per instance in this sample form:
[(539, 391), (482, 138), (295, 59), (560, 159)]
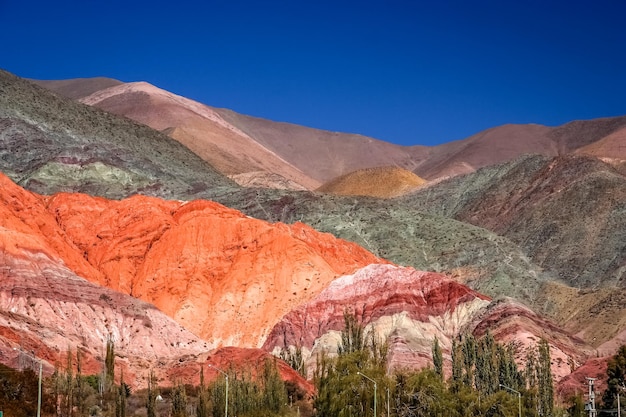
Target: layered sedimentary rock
[(406, 307), (203, 264), (409, 309)]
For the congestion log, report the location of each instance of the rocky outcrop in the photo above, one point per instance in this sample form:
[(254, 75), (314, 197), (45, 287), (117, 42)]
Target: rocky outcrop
[(409, 309), (203, 264), (406, 307)]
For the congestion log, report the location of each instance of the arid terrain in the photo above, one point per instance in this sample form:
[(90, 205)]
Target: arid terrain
[(133, 213)]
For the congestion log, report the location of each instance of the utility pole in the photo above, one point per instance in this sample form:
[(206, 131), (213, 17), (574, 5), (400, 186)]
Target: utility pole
[(591, 405), (226, 378), (375, 387)]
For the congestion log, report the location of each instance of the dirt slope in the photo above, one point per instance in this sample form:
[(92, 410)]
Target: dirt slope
[(196, 126), (382, 182)]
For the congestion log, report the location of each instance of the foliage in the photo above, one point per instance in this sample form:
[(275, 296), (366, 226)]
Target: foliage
[(437, 358), (616, 377), (342, 391), (19, 391), (179, 401), (152, 395), (484, 365), (293, 357)]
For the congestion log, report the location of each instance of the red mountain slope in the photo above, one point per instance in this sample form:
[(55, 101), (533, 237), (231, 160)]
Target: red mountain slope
[(203, 264), (409, 308)]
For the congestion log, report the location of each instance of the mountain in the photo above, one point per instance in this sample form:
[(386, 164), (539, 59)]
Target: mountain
[(382, 182), (535, 244), (75, 267), (198, 127), (408, 308), (52, 144), (146, 248), (322, 155)]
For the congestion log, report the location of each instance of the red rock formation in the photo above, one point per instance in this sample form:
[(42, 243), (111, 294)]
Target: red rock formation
[(45, 309), (405, 306), (201, 263), (409, 308), (238, 359)]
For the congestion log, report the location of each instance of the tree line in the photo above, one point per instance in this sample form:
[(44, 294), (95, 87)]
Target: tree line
[(483, 380)]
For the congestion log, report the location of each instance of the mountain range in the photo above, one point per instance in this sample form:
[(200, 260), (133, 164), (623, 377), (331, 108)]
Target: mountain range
[(145, 215)]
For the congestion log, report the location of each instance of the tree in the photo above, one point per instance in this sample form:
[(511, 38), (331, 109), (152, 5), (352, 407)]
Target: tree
[(202, 409), (109, 361), (69, 386), (352, 337), (80, 384), (294, 358), (274, 393), (152, 395), (123, 391), (179, 401), (544, 376), (437, 358), (341, 391), (616, 377)]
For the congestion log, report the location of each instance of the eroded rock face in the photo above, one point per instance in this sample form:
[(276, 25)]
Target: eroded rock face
[(201, 263), (45, 309), (406, 307), (409, 309)]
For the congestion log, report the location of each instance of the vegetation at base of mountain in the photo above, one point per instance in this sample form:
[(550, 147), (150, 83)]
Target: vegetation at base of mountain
[(616, 379), (485, 380)]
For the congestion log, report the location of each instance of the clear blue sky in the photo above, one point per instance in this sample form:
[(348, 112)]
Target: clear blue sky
[(407, 72)]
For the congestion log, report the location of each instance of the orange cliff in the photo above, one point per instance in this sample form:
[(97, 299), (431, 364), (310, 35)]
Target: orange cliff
[(224, 276)]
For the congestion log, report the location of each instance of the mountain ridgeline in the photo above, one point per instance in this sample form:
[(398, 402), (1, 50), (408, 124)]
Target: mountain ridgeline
[(139, 192)]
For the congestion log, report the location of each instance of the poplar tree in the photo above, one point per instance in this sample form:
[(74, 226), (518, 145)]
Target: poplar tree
[(202, 409), (152, 395), (80, 384), (437, 358), (69, 385), (616, 377), (179, 401), (546, 384)]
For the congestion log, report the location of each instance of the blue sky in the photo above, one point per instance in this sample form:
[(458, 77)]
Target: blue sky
[(408, 72)]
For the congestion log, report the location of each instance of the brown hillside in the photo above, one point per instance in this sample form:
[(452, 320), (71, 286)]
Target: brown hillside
[(382, 182), (196, 126), (610, 147), (236, 143), (78, 87)]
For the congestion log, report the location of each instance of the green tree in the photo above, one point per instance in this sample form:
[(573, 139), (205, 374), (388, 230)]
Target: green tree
[(123, 392), (152, 396), (274, 394), (437, 358), (352, 335), (341, 391), (615, 377), (202, 409), (545, 379), (424, 394), (69, 386), (294, 358), (179, 401)]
